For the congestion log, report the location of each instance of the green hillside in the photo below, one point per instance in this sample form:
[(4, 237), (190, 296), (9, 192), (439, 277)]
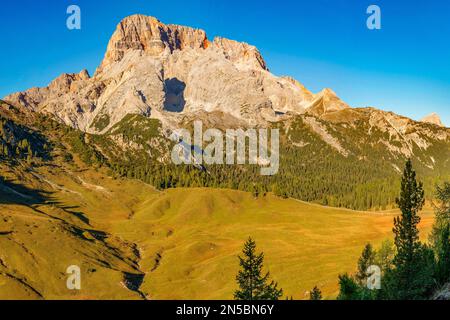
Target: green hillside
[(346, 162)]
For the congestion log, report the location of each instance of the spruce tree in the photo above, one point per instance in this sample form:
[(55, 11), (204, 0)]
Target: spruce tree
[(442, 273), (348, 288), (315, 294), (252, 284), (384, 256), (410, 277)]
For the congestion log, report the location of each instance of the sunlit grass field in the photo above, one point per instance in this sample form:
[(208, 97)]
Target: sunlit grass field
[(186, 241)]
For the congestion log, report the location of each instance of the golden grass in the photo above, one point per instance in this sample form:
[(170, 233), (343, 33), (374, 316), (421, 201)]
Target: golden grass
[(188, 239)]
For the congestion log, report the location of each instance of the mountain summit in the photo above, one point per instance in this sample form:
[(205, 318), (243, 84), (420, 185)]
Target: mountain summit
[(170, 73), (433, 118), (148, 34), (326, 102)]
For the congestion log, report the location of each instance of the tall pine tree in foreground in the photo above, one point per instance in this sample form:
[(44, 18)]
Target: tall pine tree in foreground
[(252, 284), (411, 276)]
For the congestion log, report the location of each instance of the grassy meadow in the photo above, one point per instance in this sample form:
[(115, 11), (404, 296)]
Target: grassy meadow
[(184, 242)]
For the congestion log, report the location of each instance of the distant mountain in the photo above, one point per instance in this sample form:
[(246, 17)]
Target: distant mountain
[(434, 119), (326, 102)]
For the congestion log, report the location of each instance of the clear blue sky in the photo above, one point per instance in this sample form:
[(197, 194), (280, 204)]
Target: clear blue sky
[(404, 67)]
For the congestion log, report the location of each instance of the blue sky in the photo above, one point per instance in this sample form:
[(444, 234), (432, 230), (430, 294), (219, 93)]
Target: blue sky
[(404, 67)]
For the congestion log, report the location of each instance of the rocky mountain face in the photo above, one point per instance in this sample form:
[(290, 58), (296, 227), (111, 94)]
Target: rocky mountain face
[(168, 72)]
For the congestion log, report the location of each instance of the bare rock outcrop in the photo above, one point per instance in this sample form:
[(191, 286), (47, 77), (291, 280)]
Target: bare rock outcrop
[(239, 52), (148, 34), (176, 75)]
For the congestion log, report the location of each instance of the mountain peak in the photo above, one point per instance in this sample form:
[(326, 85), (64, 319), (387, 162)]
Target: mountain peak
[(433, 118), (148, 34), (327, 101), (328, 92)]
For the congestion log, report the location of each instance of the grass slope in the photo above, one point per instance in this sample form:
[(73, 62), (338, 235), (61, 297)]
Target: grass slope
[(186, 241), (190, 239)]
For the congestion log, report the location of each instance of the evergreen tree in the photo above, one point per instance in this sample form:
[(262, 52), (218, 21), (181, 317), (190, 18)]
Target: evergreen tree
[(442, 273), (252, 284), (348, 288), (315, 294), (366, 260), (385, 256), (410, 278)]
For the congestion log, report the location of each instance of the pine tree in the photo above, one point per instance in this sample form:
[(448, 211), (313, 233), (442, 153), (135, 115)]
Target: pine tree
[(443, 256), (252, 284), (385, 255), (366, 260), (410, 277), (348, 288), (315, 294)]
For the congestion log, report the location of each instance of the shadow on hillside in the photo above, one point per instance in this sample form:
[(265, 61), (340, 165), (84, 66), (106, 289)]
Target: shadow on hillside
[(78, 214), (174, 95), (16, 194), (133, 282)]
